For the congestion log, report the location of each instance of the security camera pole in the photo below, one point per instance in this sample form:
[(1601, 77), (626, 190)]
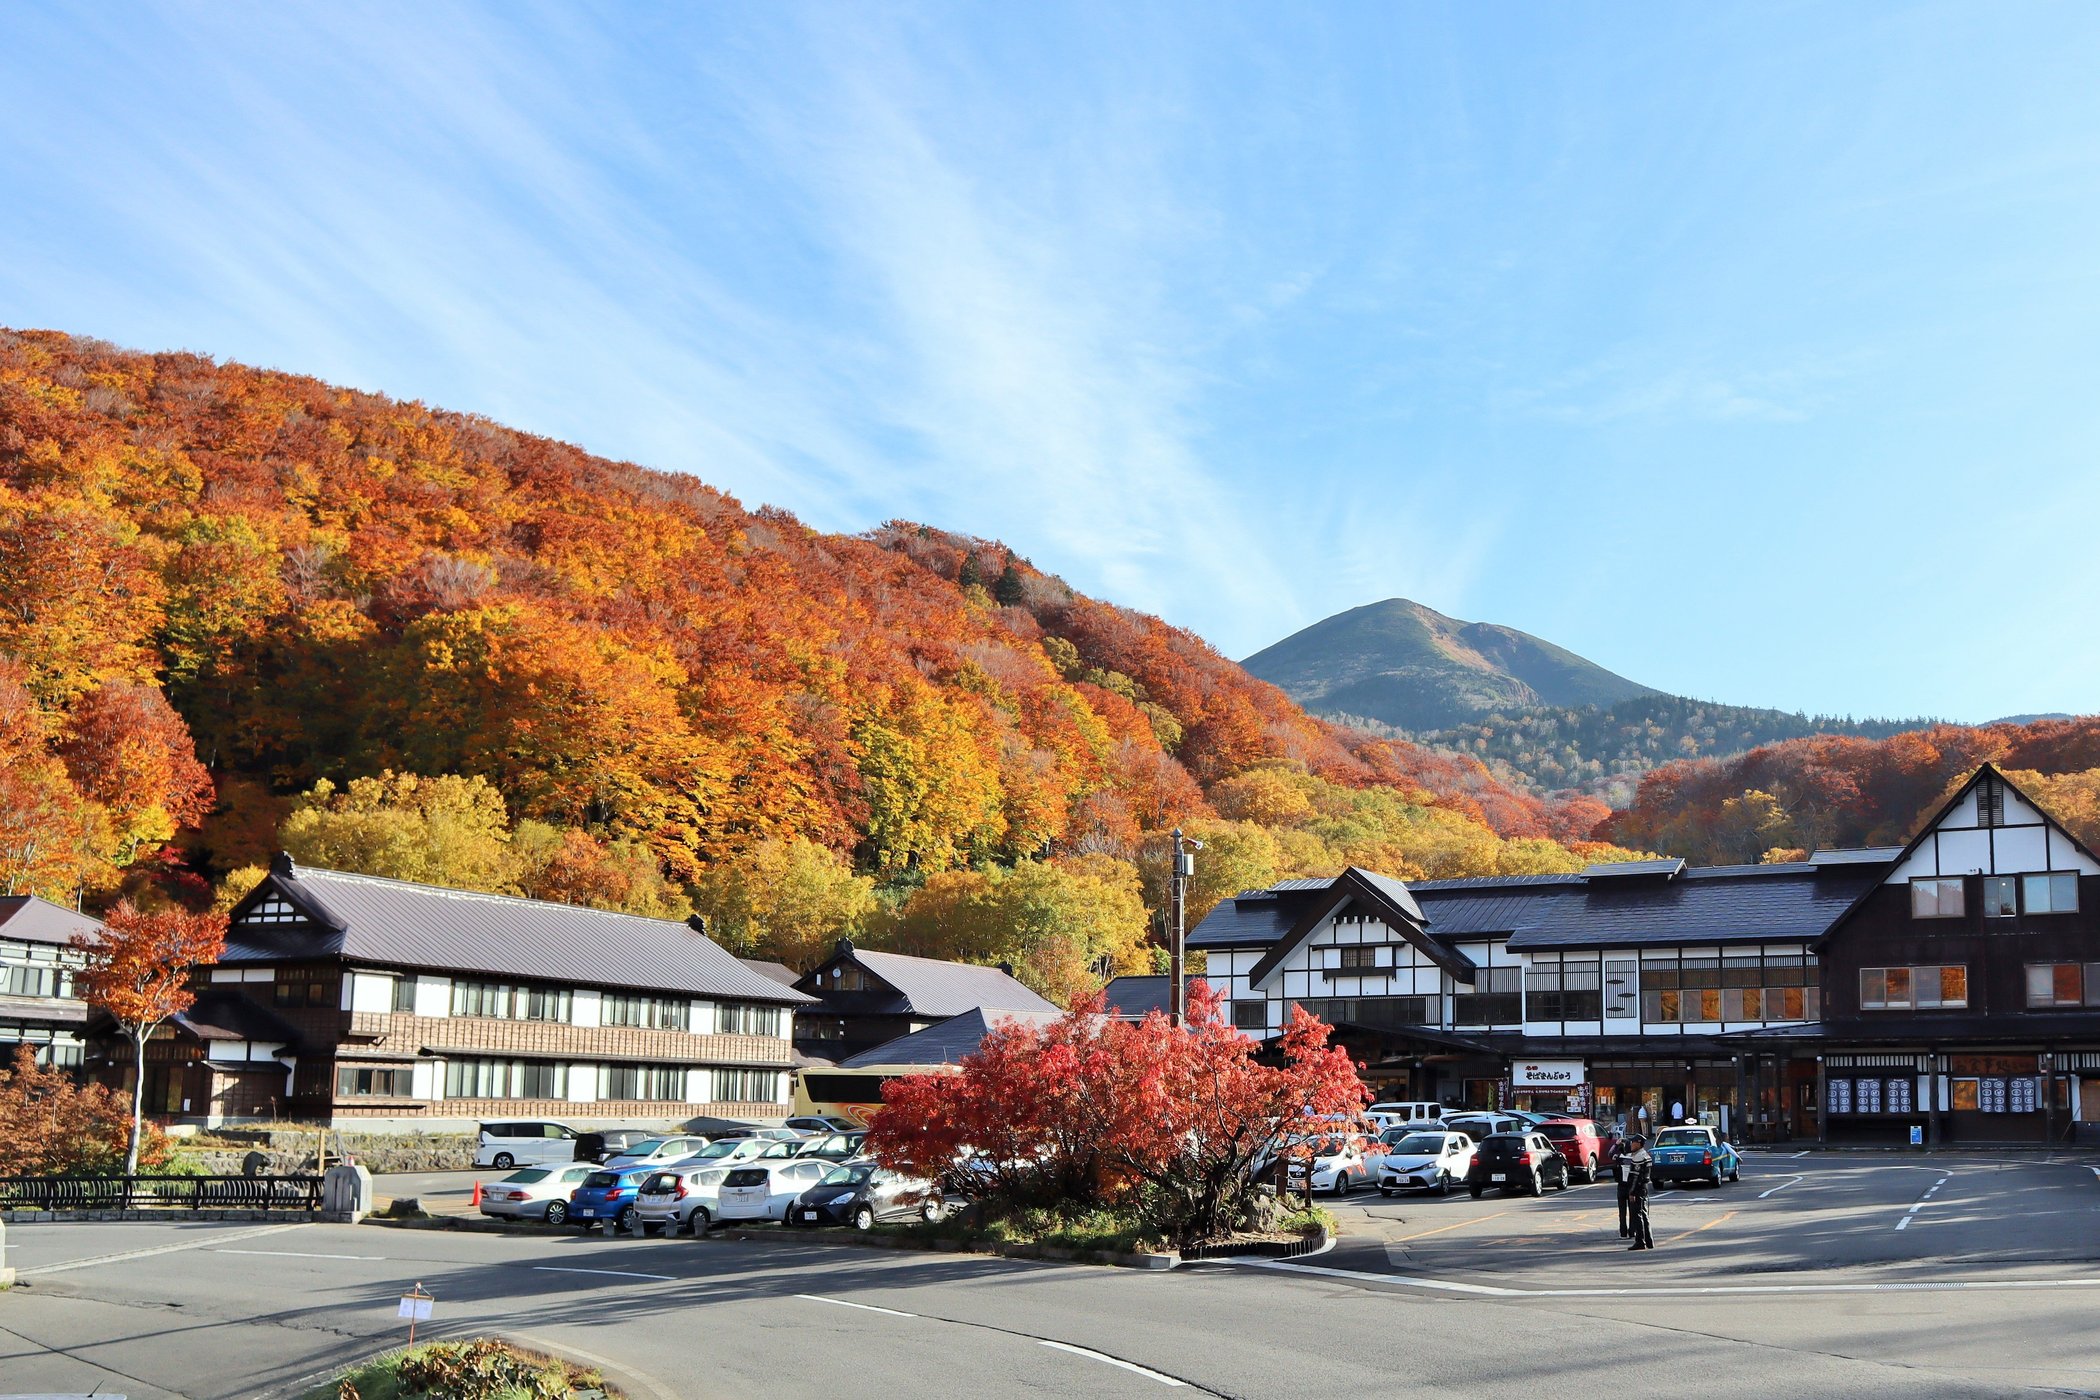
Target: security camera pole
[(1178, 895)]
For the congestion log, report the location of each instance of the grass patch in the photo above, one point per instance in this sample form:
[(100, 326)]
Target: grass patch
[(1098, 1231), (485, 1369), (1304, 1222)]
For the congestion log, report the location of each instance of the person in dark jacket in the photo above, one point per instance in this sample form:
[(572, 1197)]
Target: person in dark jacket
[(1621, 1149), (1640, 1180)]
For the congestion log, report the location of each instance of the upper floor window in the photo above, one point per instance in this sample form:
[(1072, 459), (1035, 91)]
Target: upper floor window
[(1359, 957), (1565, 991), (1250, 1015), (644, 1012), (1990, 803), (2001, 896), (544, 1003), (848, 979), (480, 999), (2063, 984), (1938, 897), (1913, 988), (16, 981), (2053, 893), (1496, 998), (303, 989), (737, 1019), (404, 994)]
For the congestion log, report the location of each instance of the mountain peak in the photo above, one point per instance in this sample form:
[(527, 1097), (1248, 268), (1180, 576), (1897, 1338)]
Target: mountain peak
[(1405, 664)]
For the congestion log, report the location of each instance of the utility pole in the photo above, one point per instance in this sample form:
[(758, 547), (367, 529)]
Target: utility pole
[(1177, 897)]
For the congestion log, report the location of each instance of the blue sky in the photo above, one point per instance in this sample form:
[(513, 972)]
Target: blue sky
[(1753, 351)]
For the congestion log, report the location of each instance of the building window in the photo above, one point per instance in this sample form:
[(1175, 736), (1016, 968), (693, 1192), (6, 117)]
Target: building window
[(1990, 803), (2001, 897), (2063, 984), (641, 1083), (644, 1012), (848, 979), (1913, 988), (747, 1086), (301, 989), (1357, 958), (740, 1019), (544, 1003), (1939, 897), (1366, 1011), (1496, 999), (1250, 1015), (16, 981), (2053, 893), (480, 999), (505, 1079), (361, 1082), (405, 994)]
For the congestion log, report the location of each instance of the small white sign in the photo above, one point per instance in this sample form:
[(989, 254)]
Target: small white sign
[(416, 1309), (1545, 1074)]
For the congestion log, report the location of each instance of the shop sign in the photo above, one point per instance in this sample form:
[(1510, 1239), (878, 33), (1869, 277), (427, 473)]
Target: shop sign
[(1546, 1074), (1994, 1064)]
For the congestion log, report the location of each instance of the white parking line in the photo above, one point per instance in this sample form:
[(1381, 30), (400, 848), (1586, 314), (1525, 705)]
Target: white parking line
[(1666, 1291), (295, 1254), (1780, 1187), (1147, 1373), (842, 1303), (207, 1243), (606, 1273)]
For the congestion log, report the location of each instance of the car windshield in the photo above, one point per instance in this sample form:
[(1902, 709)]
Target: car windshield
[(1503, 1144), (644, 1147), (1420, 1142), (719, 1149), (600, 1180), (1559, 1132), (846, 1176), (529, 1174), (662, 1181), (1681, 1137)]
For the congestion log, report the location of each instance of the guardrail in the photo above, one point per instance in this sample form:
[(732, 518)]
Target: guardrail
[(165, 1192)]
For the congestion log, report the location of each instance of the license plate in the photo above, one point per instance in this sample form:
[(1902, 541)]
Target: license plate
[(812, 1215), (585, 1211)]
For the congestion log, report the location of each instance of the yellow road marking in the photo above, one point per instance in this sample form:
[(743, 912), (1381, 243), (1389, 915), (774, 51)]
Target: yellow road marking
[(1697, 1228), (1425, 1234)]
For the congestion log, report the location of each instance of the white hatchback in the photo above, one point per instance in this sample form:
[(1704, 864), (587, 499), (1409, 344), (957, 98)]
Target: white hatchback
[(765, 1190), (1426, 1161), (684, 1197)]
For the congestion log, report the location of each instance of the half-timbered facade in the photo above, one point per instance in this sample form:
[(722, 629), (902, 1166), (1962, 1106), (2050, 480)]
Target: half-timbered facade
[(1951, 985)]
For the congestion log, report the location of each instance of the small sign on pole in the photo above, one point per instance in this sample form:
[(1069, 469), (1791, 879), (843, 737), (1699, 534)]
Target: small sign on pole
[(1917, 1135), (416, 1306)]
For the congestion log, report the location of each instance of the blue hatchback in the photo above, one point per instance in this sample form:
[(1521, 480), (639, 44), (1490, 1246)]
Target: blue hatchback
[(607, 1197)]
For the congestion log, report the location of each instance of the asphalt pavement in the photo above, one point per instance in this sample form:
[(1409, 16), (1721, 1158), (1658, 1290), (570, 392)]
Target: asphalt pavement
[(1825, 1275)]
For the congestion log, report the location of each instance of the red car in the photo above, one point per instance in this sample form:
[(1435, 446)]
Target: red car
[(1576, 1140)]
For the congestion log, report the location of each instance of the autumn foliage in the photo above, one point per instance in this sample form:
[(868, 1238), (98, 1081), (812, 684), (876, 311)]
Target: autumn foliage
[(52, 1124), (1168, 1123)]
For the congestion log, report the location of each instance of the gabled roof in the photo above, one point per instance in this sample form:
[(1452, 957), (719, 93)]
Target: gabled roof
[(930, 986), (1134, 997), (948, 1042), (1385, 899), (779, 971), (392, 923), (36, 920), (1718, 904), (1932, 823)]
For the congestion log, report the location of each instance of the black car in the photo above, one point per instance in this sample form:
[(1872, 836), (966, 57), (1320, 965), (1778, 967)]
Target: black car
[(861, 1193), (1520, 1162), (596, 1147)]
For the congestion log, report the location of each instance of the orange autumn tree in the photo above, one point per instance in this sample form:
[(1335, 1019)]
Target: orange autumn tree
[(51, 1124), (138, 971)]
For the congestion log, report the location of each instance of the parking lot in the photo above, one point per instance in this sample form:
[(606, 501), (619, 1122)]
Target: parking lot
[(1825, 1274)]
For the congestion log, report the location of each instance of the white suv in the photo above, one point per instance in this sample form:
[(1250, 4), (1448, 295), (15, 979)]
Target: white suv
[(527, 1144)]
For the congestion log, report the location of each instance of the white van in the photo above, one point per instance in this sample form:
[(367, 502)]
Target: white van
[(525, 1144), (1407, 1114)]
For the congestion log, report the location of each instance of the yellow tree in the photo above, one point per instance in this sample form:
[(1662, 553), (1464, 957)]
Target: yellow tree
[(786, 900)]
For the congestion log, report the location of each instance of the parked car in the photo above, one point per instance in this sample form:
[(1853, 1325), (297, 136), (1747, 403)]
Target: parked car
[(765, 1190), (1576, 1139), (747, 1131), (531, 1143), (830, 1124), (1694, 1152), (607, 1198), (534, 1193), (1480, 1125), (1337, 1164), (677, 1198), (656, 1152), (836, 1147), (1519, 1161), (1407, 1113), (724, 1152), (1425, 1160), (602, 1143), (861, 1193)]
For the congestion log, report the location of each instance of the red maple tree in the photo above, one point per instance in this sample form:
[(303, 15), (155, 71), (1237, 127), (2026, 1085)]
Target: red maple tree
[(137, 970)]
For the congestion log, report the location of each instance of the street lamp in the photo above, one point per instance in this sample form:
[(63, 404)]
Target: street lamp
[(1178, 896)]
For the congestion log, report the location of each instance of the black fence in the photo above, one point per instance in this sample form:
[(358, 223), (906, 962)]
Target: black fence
[(160, 1192)]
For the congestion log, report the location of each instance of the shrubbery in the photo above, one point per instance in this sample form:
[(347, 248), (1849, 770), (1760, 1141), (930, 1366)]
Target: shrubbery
[(53, 1125)]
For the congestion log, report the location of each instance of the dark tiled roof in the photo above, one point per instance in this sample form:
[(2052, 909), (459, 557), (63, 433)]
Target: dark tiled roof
[(1133, 997), (1251, 920), (946, 1043), (35, 920), (392, 923), (931, 987), (225, 1014), (1726, 904)]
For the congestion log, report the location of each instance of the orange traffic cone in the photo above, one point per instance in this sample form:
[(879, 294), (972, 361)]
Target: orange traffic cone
[(477, 1195)]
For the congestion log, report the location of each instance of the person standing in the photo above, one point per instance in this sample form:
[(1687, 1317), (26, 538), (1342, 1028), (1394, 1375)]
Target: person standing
[(1640, 1180), (1621, 1149)]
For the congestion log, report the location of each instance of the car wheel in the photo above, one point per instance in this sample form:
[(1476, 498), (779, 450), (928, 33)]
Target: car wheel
[(698, 1221), (557, 1212), (1536, 1186), (625, 1220), (1717, 1178), (1565, 1180), (1341, 1183), (863, 1218), (504, 1162), (1589, 1172), (933, 1210), (1735, 1173), (1475, 1190), (1443, 1183)]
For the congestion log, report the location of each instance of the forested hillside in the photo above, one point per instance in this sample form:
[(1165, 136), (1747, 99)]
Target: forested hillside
[(241, 608), (1807, 793)]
